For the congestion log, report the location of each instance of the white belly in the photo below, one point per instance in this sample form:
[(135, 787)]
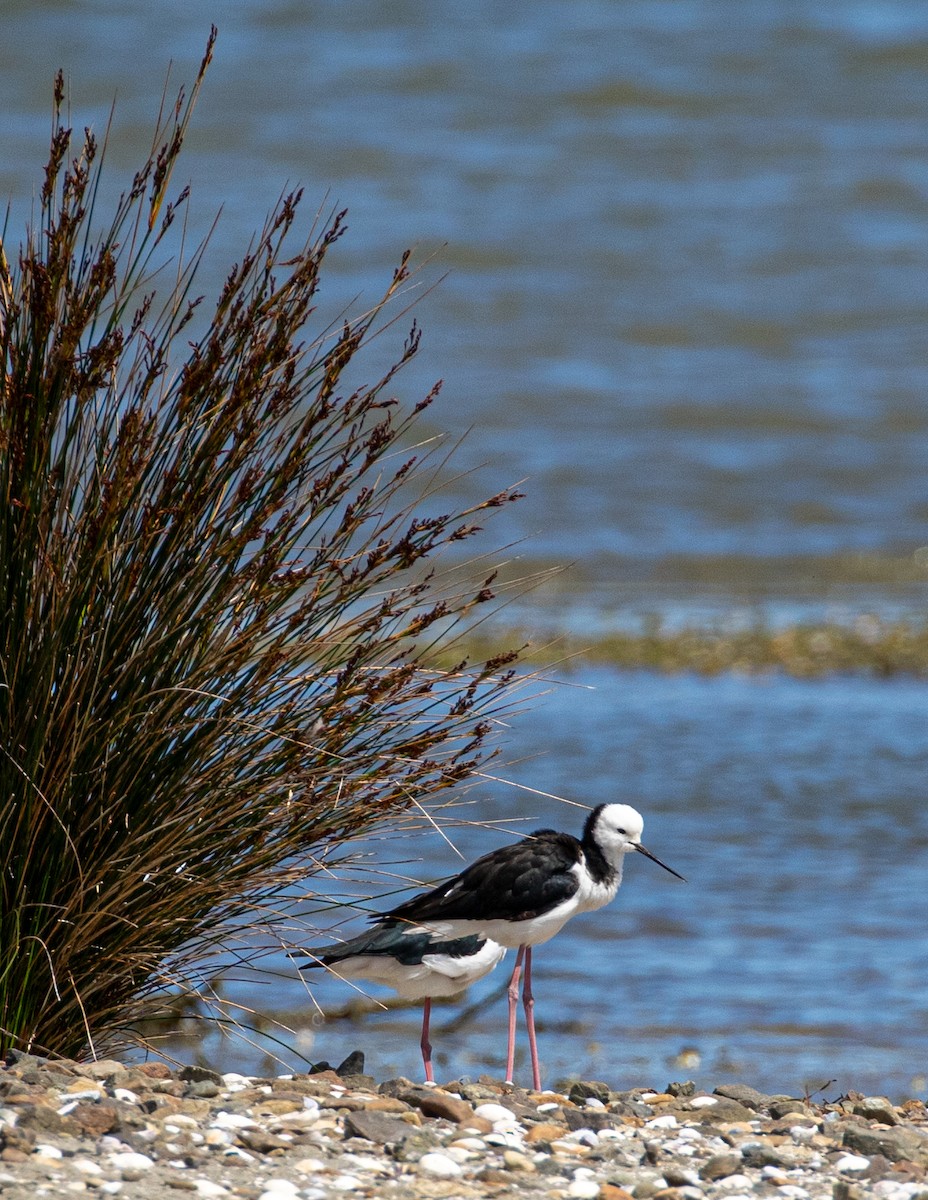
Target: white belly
[(436, 975), (512, 934)]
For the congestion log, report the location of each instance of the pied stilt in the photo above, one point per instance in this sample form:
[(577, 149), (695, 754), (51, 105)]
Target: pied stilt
[(413, 963), (521, 895)]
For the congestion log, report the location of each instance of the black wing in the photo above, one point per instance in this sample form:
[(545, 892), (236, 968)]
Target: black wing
[(514, 883), (392, 941)]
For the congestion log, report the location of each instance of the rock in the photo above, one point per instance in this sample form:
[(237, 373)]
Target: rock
[(193, 1074), (876, 1108), (759, 1154), (612, 1191), (438, 1164), (587, 1118), (584, 1089), (721, 1165), (544, 1134), (726, 1112), (744, 1094), (352, 1065), (496, 1114), (261, 1141), (682, 1177), (779, 1108), (515, 1160), (377, 1127), (43, 1119), (154, 1070), (846, 1191), (682, 1089), (436, 1103), (851, 1162), (93, 1120), (897, 1145), (131, 1162), (203, 1089)]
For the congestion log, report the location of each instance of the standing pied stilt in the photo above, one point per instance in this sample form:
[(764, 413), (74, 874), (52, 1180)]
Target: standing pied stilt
[(522, 895), (414, 964)]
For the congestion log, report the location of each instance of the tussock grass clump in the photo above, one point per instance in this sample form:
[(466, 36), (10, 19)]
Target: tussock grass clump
[(216, 607)]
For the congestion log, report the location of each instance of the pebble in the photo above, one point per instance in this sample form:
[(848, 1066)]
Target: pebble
[(157, 1132), (439, 1164), (852, 1162)]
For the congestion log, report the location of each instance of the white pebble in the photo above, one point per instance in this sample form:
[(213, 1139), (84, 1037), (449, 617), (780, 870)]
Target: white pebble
[(583, 1137), (667, 1121), (802, 1133), (238, 1152), (689, 1134), (309, 1166), (731, 1182), (703, 1101), (439, 1164), (310, 1104), (217, 1137), (549, 1107), (206, 1187), (852, 1162), (592, 1102), (131, 1160), (111, 1187), (281, 1187), (47, 1151), (86, 1094), (87, 1166), (235, 1082), (469, 1143), (508, 1139), (227, 1120), (125, 1096), (496, 1112), (180, 1121), (583, 1189), (792, 1192), (341, 1183), (458, 1153)]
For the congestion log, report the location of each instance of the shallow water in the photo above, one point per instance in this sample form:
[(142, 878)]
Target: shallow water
[(687, 300), (794, 955)]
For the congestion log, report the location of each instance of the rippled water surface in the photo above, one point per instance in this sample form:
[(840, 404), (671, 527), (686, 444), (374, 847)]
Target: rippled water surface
[(794, 955), (687, 302)]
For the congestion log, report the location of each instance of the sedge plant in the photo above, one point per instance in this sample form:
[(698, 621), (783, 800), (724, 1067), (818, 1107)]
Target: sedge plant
[(217, 596)]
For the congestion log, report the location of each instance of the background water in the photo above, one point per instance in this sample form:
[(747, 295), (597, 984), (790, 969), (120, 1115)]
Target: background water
[(687, 300)]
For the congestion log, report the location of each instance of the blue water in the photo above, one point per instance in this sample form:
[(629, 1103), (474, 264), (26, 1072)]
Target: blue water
[(794, 955), (687, 302)]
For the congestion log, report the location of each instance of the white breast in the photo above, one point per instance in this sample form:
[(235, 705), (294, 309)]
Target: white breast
[(589, 895)]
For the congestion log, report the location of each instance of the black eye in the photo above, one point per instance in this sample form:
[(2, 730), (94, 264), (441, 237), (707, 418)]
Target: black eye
[(622, 831)]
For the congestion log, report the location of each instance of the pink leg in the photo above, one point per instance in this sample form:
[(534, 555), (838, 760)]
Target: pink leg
[(529, 1001), (425, 1043), (513, 1002)]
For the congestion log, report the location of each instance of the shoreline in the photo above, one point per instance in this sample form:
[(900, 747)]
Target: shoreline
[(151, 1130)]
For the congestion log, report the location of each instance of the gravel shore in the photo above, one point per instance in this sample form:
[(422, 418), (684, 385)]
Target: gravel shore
[(147, 1131)]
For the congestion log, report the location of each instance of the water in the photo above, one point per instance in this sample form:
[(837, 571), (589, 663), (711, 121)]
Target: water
[(794, 955), (687, 302)]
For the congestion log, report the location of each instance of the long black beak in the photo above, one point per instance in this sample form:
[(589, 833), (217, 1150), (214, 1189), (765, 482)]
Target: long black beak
[(654, 858)]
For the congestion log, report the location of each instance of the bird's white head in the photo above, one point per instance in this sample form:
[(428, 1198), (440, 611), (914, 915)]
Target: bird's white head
[(616, 829)]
